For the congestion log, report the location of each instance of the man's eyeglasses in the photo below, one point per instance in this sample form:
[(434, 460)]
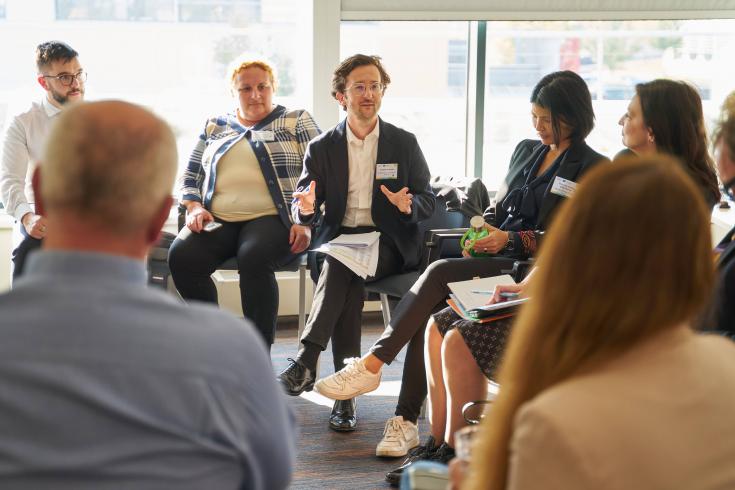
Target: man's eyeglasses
[(361, 88), (67, 79)]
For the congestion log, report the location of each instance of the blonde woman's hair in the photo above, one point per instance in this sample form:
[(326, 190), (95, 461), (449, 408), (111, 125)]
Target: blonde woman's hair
[(628, 256), (246, 61)]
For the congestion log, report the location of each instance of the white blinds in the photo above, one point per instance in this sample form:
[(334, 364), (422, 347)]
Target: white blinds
[(535, 9)]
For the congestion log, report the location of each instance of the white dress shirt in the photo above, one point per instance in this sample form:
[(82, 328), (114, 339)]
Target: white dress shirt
[(361, 157), (22, 149)]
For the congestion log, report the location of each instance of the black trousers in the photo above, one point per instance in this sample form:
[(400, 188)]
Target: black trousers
[(336, 311), (260, 246), (409, 320), (20, 254)]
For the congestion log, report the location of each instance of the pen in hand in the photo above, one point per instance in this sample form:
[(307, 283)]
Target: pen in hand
[(504, 294)]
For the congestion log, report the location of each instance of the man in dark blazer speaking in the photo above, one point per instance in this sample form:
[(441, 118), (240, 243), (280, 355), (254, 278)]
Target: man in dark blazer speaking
[(363, 175)]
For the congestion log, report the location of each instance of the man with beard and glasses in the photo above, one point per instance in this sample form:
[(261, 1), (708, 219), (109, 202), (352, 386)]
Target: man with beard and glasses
[(368, 175), (61, 75)]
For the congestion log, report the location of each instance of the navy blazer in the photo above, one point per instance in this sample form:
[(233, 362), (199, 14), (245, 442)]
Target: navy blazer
[(577, 160), (326, 163), (722, 311)]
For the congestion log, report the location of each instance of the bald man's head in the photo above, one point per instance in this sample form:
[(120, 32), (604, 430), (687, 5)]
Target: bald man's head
[(111, 163)]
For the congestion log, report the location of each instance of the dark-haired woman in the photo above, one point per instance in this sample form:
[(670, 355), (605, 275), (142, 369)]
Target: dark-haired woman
[(540, 177), (665, 116)]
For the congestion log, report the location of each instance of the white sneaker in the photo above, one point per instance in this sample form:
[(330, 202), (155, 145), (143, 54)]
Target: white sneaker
[(398, 437), (352, 380)]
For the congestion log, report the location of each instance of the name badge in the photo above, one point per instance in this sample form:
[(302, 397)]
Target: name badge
[(563, 187), (262, 135), (386, 171)]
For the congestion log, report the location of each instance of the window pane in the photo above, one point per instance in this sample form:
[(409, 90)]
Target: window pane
[(239, 11), (612, 57), (175, 68), (427, 63), (132, 10)]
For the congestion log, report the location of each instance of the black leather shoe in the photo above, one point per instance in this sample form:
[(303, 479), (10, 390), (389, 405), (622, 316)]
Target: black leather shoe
[(343, 418), (419, 453), (296, 378)]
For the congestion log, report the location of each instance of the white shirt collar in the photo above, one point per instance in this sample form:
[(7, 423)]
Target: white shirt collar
[(51, 110), (374, 134)]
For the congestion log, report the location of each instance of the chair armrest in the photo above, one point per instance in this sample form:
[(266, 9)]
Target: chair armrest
[(473, 412), (434, 243), (520, 269)]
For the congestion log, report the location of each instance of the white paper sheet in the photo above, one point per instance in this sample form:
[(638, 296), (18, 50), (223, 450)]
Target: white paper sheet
[(358, 252)]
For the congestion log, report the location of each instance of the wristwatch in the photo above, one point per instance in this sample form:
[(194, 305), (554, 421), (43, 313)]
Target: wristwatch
[(510, 244)]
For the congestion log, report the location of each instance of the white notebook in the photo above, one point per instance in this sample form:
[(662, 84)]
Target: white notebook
[(477, 292)]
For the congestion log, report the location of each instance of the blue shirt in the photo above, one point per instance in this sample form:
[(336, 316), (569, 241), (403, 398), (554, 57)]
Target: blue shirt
[(109, 384)]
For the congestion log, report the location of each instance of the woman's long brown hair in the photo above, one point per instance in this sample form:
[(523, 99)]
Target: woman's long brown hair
[(629, 255), (673, 111)]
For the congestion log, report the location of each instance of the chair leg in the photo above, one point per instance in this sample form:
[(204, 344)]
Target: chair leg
[(302, 300), (302, 310), (385, 308)]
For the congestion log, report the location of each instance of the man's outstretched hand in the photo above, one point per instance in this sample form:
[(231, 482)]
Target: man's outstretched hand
[(306, 199), (401, 199)]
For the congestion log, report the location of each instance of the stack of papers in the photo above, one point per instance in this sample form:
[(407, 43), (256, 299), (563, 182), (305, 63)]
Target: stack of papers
[(359, 252), (469, 298)]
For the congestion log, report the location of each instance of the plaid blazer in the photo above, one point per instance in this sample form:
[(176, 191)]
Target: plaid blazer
[(279, 142)]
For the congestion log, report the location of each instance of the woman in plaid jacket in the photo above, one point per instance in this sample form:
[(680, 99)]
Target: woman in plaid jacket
[(237, 190)]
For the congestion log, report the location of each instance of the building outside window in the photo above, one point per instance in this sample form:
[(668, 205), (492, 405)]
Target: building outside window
[(612, 56), (171, 56), (428, 62), (423, 97), (224, 11), (164, 54), (457, 66)]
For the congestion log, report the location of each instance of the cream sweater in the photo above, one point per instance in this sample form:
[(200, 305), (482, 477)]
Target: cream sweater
[(660, 417)]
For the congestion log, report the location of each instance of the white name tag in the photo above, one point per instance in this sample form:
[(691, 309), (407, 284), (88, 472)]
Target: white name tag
[(563, 187), (262, 135), (386, 171)]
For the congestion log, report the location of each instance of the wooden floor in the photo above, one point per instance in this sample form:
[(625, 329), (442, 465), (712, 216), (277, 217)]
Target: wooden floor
[(330, 460)]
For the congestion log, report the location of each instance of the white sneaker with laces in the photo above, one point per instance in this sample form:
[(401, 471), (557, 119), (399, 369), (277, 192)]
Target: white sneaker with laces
[(352, 380), (399, 436)]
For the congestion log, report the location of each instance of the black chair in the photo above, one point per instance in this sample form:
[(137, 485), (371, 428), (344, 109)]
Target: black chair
[(441, 234), (159, 272), (443, 222), (297, 265)]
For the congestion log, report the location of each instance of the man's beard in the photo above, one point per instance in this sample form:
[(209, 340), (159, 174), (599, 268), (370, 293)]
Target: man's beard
[(62, 98)]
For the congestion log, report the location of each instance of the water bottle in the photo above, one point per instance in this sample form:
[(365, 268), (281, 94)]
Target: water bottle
[(476, 231)]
